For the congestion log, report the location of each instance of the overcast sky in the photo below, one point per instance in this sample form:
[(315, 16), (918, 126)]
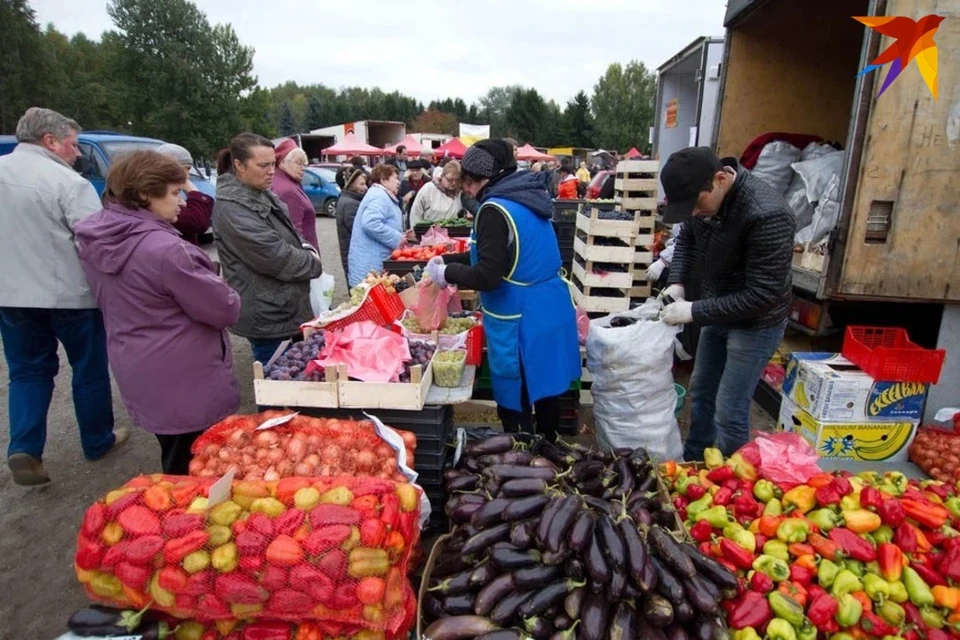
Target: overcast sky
[(435, 49)]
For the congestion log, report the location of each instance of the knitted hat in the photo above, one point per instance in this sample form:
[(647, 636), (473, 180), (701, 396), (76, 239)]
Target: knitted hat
[(487, 158), (348, 175), (284, 148), (175, 151)]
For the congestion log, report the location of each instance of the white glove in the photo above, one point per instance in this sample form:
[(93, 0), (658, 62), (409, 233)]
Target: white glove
[(435, 270), (679, 312), (654, 270), (675, 291)]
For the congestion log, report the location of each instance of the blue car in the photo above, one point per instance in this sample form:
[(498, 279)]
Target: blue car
[(320, 185)]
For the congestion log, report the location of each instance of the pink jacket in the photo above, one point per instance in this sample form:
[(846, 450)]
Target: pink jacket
[(299, 208)]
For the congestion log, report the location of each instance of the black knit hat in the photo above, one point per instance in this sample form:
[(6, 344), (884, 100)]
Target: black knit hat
[(488, 158)]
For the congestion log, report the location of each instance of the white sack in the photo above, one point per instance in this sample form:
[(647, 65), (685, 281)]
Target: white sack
[(816, 173), (773, 165)]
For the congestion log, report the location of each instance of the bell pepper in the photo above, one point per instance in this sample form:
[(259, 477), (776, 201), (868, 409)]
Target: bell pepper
[(793, 530), (822, 609), (409, 497), (890, 558), (946, 597), (694, 509), (852, 545), (950, 565), (827, 573), (898, 592), (746, 634), (225, 557), (786, 608), (870, 498), (112, 533), (850, 502), (723, 496), (849, 611), (284, 551), (741, 536), (270, 507), (745, 508), (775, 568), (702, 531), (683, 483), (824, 546), (197, 562), (891, 512), (808, 562), (905, 537), (876, 626), (177, 549), (768, 524), (928, 515), (845, 582), (761, 582), (892, 613), (920, 594), (777, 549), (827, 495), (721, 474), (861, 520), (953, 506), (883, 535), (824, 519), (712, 457), (695, 491), (106, 586), (855, 567), (716, 516), (749, 610), (931, 617), (139, 521), (801, 575), (780, 629), (807, 631), (161, 596), (764, 490), (365, 562), (225, 513), (773, 508), (896, 481), (876, 587), (801, 498)]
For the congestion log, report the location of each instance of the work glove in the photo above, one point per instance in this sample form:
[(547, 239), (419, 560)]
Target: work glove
[(653, 271), (675, 291), (679, 312), (435, 270)]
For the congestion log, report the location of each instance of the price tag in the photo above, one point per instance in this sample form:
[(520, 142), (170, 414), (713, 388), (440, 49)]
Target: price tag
[(461, 443), (220, 490), (276, 422)]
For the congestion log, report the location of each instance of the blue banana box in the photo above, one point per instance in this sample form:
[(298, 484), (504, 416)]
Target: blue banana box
[(831, 388)]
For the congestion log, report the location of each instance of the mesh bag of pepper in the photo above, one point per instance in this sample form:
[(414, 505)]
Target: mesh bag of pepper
[(300, 446), (333, 549)]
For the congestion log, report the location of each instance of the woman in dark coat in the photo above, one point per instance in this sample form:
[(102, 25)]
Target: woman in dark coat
[(353, 184)]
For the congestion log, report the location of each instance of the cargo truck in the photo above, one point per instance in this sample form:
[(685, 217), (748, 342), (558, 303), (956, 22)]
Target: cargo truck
[(379, 133)]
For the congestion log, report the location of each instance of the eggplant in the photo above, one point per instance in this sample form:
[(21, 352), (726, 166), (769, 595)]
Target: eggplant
[(703, 598), (540, 461), (463, 483), (494, 592), (586, 470), (510, 559), (450, 474), (546, 598), (459, 628), (546, 518), (677, 632), (711, 569), (562, 522), (593, 617), (593, 487), (539, 627), (562, 622), (558, 557), (470, 464), (668, 585), (648, 581), (507, 608), (512, 471), (522, 487), (671, 552), (601, 506), (650, 632), (454, 585), (483, 575), (448, 565), (648, 484), (433, 607), (486, 538), (612, 542), (684, 612), (458, 605), (708, 629), (617, 585), (573, 602), (455, 543), (635, 547), (641, 516), (503, 634), (535, 576), (467, 531), (508, 457), (622, 452), (581, 530), (495, 444), (639, 458), (94, 616), (623, 626), (657, 610), (489, 514), (596, 563), (522, 508), (522, 533), (575, 569), (99, 621), (551, 452), (627, 481)]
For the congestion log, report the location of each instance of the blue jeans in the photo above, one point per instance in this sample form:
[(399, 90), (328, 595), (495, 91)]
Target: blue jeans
[(30, 345), (263, 349), (728, 366)]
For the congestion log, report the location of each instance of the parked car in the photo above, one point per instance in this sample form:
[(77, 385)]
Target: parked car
[(596, 185), (320, 185)]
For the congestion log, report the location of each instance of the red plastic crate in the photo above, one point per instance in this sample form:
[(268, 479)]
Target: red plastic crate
[(888, 355), (379, 307)]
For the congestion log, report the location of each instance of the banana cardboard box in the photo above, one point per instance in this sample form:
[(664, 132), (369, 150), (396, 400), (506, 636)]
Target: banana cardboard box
[(832, 389), (869, 441)]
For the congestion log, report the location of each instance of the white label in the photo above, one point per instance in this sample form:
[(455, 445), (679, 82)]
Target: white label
[(461, 443), (946, 414), (393, 439), (220, 490), (276, 422)]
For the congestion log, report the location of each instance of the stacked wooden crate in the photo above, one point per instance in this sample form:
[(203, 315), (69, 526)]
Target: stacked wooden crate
[(635, 190)]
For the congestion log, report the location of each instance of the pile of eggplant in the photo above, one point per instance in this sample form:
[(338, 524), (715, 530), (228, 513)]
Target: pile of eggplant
[(561, 541)]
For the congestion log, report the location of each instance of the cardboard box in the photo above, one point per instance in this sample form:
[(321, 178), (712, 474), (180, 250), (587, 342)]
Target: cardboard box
[(832, 389), (869, 441)]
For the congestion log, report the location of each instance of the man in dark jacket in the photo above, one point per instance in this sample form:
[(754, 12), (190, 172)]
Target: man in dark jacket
[(740, 231)]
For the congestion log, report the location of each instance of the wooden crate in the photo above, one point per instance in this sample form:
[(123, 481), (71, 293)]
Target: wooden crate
[(635, 185), (593, 225), (295, 393), (615, 280), (589, 251), (641, 291), (435, 553), (590, 301), (410, 396)]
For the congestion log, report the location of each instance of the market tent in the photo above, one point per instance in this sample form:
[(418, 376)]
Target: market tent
[(452, 147), (527, 152), (350, 146), (633, 154), (413, 147)]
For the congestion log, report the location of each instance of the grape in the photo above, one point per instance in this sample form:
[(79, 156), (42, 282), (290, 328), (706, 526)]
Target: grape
[(448, 368)]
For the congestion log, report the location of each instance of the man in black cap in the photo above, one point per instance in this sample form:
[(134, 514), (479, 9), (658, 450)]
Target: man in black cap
[(740, 231), (411, 184)]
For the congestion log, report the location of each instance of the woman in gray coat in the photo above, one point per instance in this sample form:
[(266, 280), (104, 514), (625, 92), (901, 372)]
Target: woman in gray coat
[(353, 182), (263, 256)]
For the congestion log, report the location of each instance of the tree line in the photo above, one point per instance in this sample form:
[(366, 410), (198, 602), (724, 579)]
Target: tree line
[(165, 71)]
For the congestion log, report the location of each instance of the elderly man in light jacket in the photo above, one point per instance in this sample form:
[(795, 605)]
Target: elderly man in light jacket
[(45, 297)]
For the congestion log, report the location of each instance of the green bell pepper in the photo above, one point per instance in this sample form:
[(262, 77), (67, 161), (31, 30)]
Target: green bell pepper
[(850, 502), (807, 631), (764, 491), (827, 573), (920, 594), (793, 530), (777, 549), (825, 519), (741, 536), (872, 567), (774, 568), (699, 506), (854, 566), (841, 636), (773, 508), (849, 611), (883, 535), (713, 457), (931, 617), (845, 582), (952, 505), (897, 480), (892, 613), (786, 608), (717, 516), (898, 592), (780, 629), (876, 587), (684, 483), (747, 633)]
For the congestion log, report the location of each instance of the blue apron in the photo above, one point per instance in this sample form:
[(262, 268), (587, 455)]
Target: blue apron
[(529, 320)]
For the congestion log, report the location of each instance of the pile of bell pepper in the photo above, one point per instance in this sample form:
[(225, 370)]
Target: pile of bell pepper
[(325, 549), (844, 557)]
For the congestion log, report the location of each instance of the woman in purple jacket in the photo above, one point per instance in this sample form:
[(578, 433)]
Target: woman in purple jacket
[(165, 310), (287, 184)]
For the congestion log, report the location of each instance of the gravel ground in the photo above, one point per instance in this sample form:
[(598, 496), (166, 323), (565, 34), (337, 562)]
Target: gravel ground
[(38, 526)]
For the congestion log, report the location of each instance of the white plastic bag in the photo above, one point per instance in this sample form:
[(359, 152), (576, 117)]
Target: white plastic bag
[(796, 197), (633, 394), (773, 165), (816, 173), (828, 212), (321, 293)]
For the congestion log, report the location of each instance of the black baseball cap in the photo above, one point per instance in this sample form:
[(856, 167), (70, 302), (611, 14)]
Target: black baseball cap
[(683, 176)]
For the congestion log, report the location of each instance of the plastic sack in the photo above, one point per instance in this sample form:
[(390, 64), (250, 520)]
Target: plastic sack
[(432, 305), (321, 294), (435, 235), (369, 352), (633, 394), (332, 549), (583, 325), (782, 457), (796, 197), (816, 173), (279, 444), (827, 213), (773, 164)]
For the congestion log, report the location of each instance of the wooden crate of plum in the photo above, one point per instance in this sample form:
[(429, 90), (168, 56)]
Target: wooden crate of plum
[(635, 186), (288, 380), (615, 223), (410, 393), (604, 249)]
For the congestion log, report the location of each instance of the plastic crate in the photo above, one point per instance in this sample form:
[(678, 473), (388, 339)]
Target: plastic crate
[(379, 307), (453, 232), (566, 232), (888, 355)]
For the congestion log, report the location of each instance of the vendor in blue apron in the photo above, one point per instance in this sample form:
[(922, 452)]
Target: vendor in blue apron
[(514, 263)]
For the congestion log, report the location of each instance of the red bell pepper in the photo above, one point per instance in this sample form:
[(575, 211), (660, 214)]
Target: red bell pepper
[(761, 582), (801, 575), (760, 540), (913, 616), (680, 502), (140, 521), (720, 475), (746, 507), (701, 531), (144, 549), (736, 554), (172, 579), (937, 634), (178, 523), (891, 512), (931, 576), (905, 537), (334, 564), (750, 610), (326, 538), (940, 490), (853, 545), (827, 495), (90, 554), (276, 578), (200, 583), (236, 588), (250, 564), (179, 548), (93, 520), (390, 513), (936, 538), (265, 630), (815, 591), (870, 498), (116, 553), (822, 608), (289, 521), (843, 485), (874, 625), (133, 576), (213, 607), (723, 496), (326, 514), (733, 484), (345, 596), (288, 602), (890, 559), (262, 524), (932, 516), (250, 543), (695, 491), (824, 546)]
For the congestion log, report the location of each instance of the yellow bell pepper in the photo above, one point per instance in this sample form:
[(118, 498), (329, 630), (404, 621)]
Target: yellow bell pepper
[(861, 520), (801, 498)]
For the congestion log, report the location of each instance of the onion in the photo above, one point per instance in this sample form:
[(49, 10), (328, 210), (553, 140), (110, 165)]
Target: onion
[(212, 463), (255, 475), (296, 449), (383, 450), (313, 442), (238, 438), (266, 438), (284, 468), (304, 470), (271, 475), (312, 459), (260, 455), (275, 455), (204, 473), (331, 453), (365, 460), (409, 439), (226, 453), (195, 467), (210, 450)]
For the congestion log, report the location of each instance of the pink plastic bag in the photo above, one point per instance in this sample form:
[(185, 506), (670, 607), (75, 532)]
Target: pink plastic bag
[(370, 352), (583, 325), (432, 304), (782, 457), (435, 235)]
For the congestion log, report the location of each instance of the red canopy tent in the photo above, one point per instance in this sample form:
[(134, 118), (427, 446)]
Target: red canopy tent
[(413, 147), (633, 154), (350, 146), (527, 152), (452, 147)]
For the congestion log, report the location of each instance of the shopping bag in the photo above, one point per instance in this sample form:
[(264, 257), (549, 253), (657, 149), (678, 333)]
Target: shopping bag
[(321, 293)]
